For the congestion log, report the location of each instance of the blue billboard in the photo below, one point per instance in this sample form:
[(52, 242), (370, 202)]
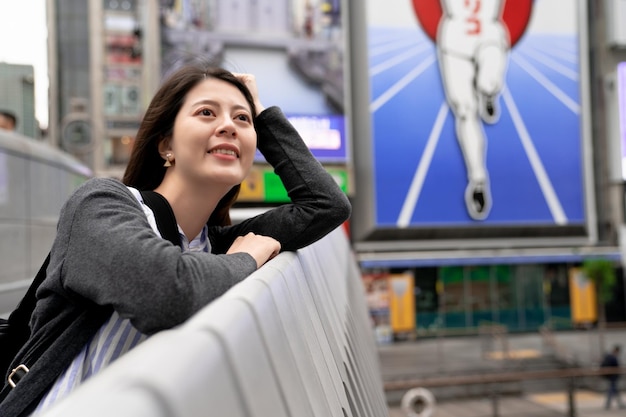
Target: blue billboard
[(477, 114)]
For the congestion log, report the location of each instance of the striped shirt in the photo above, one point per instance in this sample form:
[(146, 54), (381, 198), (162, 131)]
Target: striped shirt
[(116, 337)]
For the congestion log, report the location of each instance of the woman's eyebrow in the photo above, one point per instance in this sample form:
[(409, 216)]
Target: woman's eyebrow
[(217, 104), (206, 101)]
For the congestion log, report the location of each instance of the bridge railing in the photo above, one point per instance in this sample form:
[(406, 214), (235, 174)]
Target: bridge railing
[(35, 181), (293, 339)]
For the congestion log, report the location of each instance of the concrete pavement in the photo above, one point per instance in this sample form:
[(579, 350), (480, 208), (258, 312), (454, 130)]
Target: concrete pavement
[(474, 355), (553, 404)]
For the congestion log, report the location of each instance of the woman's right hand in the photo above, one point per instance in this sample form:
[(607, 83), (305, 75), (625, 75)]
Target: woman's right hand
[(261, 248), (250, 81)]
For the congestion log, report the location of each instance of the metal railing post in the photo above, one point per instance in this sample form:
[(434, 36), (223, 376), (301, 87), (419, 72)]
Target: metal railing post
[(571, 397), (495, 400)]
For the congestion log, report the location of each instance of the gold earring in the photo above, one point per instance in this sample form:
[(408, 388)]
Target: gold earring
[(167, 160)]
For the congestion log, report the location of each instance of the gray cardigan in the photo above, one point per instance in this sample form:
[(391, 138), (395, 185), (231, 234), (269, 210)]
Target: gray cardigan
[(106, 257)]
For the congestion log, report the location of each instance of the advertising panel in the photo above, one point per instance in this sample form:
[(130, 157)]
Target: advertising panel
[(402, 302), (583, 298), (122, 77), (477, 118), (295, 49), (621, 100)]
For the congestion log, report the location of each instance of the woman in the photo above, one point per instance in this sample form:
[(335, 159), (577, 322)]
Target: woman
[(113, 281)]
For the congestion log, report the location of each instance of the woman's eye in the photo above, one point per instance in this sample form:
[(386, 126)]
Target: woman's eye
[(243, 117), (205, 112)]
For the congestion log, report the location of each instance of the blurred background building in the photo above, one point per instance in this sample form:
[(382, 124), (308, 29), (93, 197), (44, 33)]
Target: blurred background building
[(98, 73), (333, 67), (107, 58), (17, 95), (553, 158)]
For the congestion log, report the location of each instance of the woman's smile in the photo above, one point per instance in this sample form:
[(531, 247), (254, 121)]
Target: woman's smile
[(225, 150)]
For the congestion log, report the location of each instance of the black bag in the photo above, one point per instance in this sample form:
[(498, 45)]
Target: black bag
[(15, 330)]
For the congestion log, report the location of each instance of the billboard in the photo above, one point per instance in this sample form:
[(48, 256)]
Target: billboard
[(402, 302), (583, 298), (478, 123), (621, 106)]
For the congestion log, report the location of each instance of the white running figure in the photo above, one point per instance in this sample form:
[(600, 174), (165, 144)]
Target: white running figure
[(473, 46)]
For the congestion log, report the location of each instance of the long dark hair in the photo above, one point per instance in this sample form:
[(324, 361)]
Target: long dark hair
[(145, 170)]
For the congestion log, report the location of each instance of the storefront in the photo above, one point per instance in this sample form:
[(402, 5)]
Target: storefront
[(465, 300)]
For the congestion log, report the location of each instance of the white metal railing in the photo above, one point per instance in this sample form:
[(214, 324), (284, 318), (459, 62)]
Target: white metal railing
[(293, 339), (35, 181)]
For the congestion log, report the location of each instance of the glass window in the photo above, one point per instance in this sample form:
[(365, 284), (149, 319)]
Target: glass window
[(121, 147)]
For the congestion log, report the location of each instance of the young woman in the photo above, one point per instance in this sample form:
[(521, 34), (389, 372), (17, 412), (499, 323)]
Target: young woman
[(113, 281)]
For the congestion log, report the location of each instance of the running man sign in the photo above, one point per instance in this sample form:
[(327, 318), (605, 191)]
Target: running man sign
[(477, 120)]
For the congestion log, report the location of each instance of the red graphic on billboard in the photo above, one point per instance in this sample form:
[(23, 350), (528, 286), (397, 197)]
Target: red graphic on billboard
[(515, 16)]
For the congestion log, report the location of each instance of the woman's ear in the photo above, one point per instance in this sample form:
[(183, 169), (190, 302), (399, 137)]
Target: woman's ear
[(165, 146), (165, 150)]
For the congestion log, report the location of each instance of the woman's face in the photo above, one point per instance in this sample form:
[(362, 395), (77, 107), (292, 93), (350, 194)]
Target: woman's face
[(214, 138)]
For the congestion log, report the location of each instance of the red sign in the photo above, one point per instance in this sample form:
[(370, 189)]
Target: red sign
[(515, 16)]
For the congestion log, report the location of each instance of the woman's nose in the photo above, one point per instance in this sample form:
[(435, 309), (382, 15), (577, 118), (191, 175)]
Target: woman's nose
[(227, 127)]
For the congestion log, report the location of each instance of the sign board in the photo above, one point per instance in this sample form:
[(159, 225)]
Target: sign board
[(478, 120)]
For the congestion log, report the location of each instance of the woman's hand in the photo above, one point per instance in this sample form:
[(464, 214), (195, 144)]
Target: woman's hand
[(261, 248), (250, 81)]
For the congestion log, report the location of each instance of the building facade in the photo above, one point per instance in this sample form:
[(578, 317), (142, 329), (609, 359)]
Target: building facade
[(490, 215), (506, 256), (99, 88), (17, 95), (107, 59)]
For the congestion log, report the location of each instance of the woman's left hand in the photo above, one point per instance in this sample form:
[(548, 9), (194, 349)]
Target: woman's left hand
[(261, 248)]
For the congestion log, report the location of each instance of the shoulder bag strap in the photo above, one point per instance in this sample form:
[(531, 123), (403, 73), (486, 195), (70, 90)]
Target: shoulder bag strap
[(165, 219), (21, 314)]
